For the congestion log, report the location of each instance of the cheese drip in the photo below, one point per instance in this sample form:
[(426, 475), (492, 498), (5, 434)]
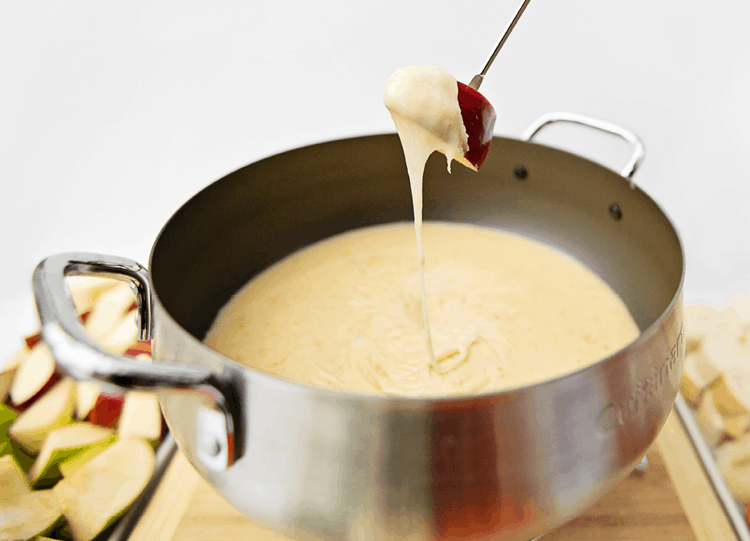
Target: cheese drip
[(423, 102)]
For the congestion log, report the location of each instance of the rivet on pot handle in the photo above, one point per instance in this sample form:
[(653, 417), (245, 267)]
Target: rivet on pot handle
[(639, 150), (83, 359)]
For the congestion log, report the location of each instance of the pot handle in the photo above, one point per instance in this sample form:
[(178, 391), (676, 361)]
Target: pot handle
[(639, 150), (83, 359)]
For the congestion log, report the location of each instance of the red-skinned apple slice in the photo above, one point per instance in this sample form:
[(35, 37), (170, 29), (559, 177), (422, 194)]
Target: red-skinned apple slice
[(141, 416), (479, 120), (54, 409), (64, 443), (29, 515), (13, 481), (87, 393), (99, 492), (106, 412), (32, 375)]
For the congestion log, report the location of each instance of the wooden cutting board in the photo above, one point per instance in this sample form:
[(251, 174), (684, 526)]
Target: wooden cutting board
[(672, 501)]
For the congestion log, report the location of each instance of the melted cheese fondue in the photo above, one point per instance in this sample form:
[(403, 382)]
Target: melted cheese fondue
[(491, 311), (346, 313)]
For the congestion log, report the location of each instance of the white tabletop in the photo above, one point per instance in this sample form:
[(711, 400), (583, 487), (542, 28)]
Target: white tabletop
[(112, 114)]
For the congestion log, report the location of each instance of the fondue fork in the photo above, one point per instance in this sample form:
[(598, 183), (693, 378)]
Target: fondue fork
[(477, 79)]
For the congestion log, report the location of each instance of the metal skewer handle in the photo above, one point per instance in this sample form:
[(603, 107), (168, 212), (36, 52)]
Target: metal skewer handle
[(477, 79)]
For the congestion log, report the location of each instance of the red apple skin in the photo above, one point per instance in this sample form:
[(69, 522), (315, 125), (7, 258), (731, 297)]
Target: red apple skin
[(106, 411), (54, 378), (479, 120), (32, 340), (141, 346), (164, 428)]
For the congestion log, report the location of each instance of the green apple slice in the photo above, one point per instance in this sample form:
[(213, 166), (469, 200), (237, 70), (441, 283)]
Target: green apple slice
[(32, 374), (29, 515), (7, 416), (141, 416), (6, 378), (53, 410), (63, 443), (71, 465), (98, 493), (13, 480)]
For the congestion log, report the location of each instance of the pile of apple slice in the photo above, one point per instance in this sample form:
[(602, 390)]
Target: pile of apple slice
[(73, 457), (716, 383)]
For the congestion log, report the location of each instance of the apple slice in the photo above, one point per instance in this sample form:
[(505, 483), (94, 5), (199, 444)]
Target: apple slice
[(32, 375), (479, 120), (71, 465), (456, 119), (54, 409), (87, 393), (109, 309), (7, 416), (17, 358), (8, 370), (13, 481), (8, 446), (6, 379), (29, 515), (123, 335), (141, 416), (63, 443), (99, 492), (106, 412), (86, 290)]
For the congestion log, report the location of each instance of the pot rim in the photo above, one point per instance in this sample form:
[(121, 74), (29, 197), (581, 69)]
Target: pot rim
[(643, 337)]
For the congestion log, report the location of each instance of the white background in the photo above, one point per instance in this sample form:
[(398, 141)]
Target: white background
[(112, 114)]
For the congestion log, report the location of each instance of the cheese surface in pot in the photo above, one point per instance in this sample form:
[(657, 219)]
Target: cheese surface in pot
[(345, 313)]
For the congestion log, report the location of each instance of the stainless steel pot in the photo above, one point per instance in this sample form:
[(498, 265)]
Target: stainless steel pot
[(322, 464)]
